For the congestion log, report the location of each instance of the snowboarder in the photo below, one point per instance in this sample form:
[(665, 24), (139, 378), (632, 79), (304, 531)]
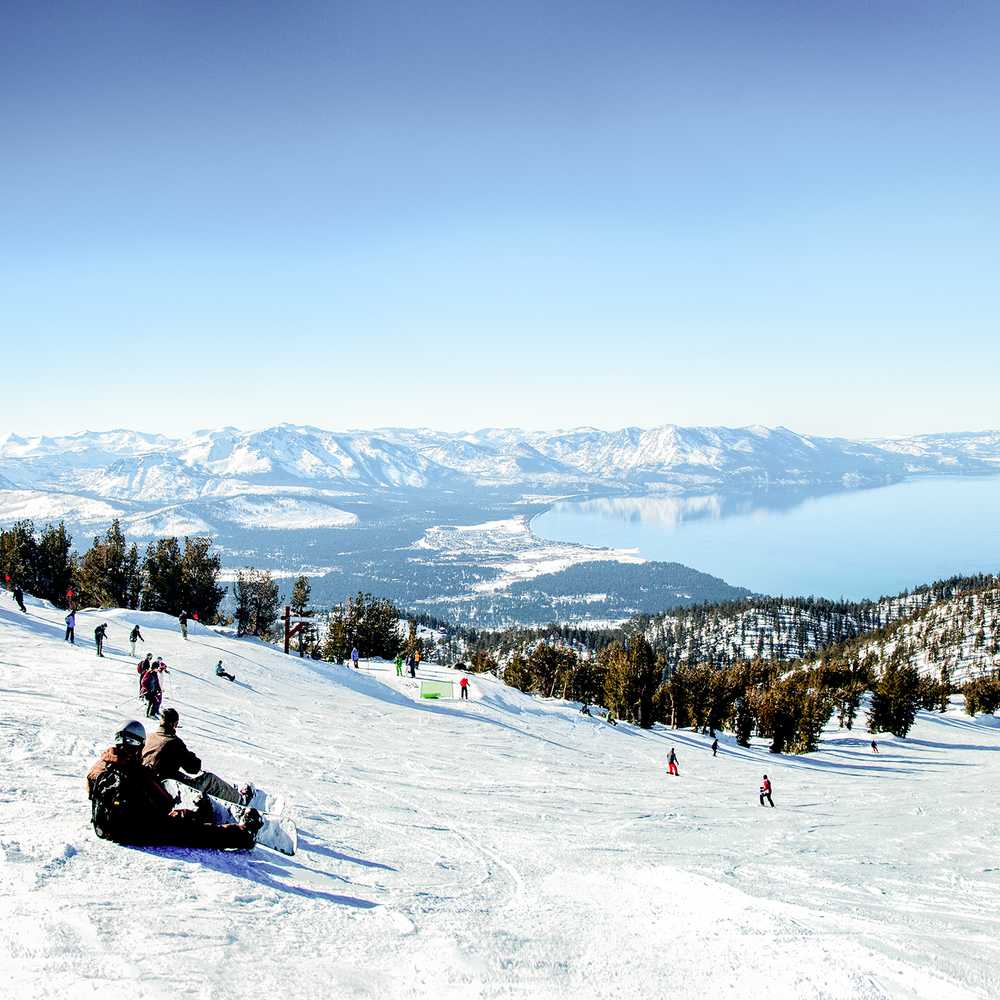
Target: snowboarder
[(874, 747), (464, 686), (585, 709), (167, 757), (354, 657), (610, 718), (99, 635), (411, 662), (151, 690), (715, 747), (219, 672), (672, 763), (19, 597), (71, 627), (129, 805), (399, 665), (133, 637), (765, 790), (416, 658), (183, 619)]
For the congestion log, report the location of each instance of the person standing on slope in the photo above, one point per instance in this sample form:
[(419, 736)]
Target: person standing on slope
[(19, 597), (874, 747), (220, 672), (765, 790), (100, 634), (144, 664), (464, 686), (411, 663), (672, 763), (71, 627), (151, 689), (715, 747), (354, 657), (135, 636), (183, 619), (399, 665), (167, 756), (129, 805)]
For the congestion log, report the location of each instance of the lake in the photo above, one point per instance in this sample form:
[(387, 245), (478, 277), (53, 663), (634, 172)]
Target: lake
[(852, 543)]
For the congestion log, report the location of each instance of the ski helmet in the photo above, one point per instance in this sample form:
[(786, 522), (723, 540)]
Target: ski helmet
[(131, 734)]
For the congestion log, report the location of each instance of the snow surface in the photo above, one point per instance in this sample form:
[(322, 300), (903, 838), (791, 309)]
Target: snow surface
[(505, 848), (510, 547)]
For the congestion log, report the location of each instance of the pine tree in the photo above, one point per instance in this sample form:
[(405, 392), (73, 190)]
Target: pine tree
[(163, 575), (54, 571), (301, 595), (19, 556), (109, 573), (894, 700), (200, 590), (258, 603)]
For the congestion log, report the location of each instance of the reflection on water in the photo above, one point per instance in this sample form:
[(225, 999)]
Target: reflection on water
[(669, 512), (850, 543)]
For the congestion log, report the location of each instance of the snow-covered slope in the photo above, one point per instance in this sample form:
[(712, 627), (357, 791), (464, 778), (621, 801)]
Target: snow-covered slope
[(507, 847)]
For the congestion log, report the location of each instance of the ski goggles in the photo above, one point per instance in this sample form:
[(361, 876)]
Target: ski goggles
[(128, 740)]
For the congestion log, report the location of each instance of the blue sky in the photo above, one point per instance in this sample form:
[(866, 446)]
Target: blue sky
[(462, 214)]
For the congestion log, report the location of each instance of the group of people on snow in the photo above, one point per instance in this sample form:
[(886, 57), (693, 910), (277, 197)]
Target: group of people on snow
[(131, 805)]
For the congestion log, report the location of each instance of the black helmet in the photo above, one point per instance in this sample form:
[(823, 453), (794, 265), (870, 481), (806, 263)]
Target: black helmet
[(131, 734)]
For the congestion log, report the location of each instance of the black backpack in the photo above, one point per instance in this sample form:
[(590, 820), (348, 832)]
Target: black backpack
[(114, 809)]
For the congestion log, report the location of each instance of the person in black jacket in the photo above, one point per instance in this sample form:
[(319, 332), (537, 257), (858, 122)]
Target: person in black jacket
[(19, 597), (183, 619), (135, 636), (99, 635)]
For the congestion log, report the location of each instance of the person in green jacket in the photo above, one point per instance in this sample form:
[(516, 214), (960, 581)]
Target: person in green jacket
[(399, 665)]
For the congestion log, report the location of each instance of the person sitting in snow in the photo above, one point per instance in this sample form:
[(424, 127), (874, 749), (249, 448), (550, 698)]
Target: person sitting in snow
[(129, 804), (167, 757), (220, 672)]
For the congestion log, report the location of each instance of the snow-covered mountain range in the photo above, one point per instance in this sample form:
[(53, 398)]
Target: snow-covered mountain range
[(314, 466)]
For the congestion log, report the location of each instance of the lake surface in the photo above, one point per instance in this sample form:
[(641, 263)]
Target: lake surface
[(854, 543)]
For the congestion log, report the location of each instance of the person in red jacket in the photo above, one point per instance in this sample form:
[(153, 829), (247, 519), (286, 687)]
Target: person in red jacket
[(765, 790), (464, 686)]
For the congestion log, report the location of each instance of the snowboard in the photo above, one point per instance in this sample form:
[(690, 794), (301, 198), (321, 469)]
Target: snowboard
[(277, 831)]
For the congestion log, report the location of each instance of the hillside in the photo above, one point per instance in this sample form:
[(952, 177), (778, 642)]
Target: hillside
[(509, 847)]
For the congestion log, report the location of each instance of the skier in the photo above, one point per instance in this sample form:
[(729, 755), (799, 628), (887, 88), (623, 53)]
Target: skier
[(99, 635), (672, 763), (464, 686), (183, 619), (715, 747), (167, 757), (71, 627), (19, 597), (151, 690), (219, 672), (765, 790), (129, 805), (411, 662), (135, 636), (399, 665), (354, 657), (874, 747), (144, 664)]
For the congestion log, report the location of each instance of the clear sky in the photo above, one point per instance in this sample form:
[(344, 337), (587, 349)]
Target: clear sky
[(471, 214)]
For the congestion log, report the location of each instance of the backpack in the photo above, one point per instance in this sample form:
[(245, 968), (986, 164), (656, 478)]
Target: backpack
[(114, 811)]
